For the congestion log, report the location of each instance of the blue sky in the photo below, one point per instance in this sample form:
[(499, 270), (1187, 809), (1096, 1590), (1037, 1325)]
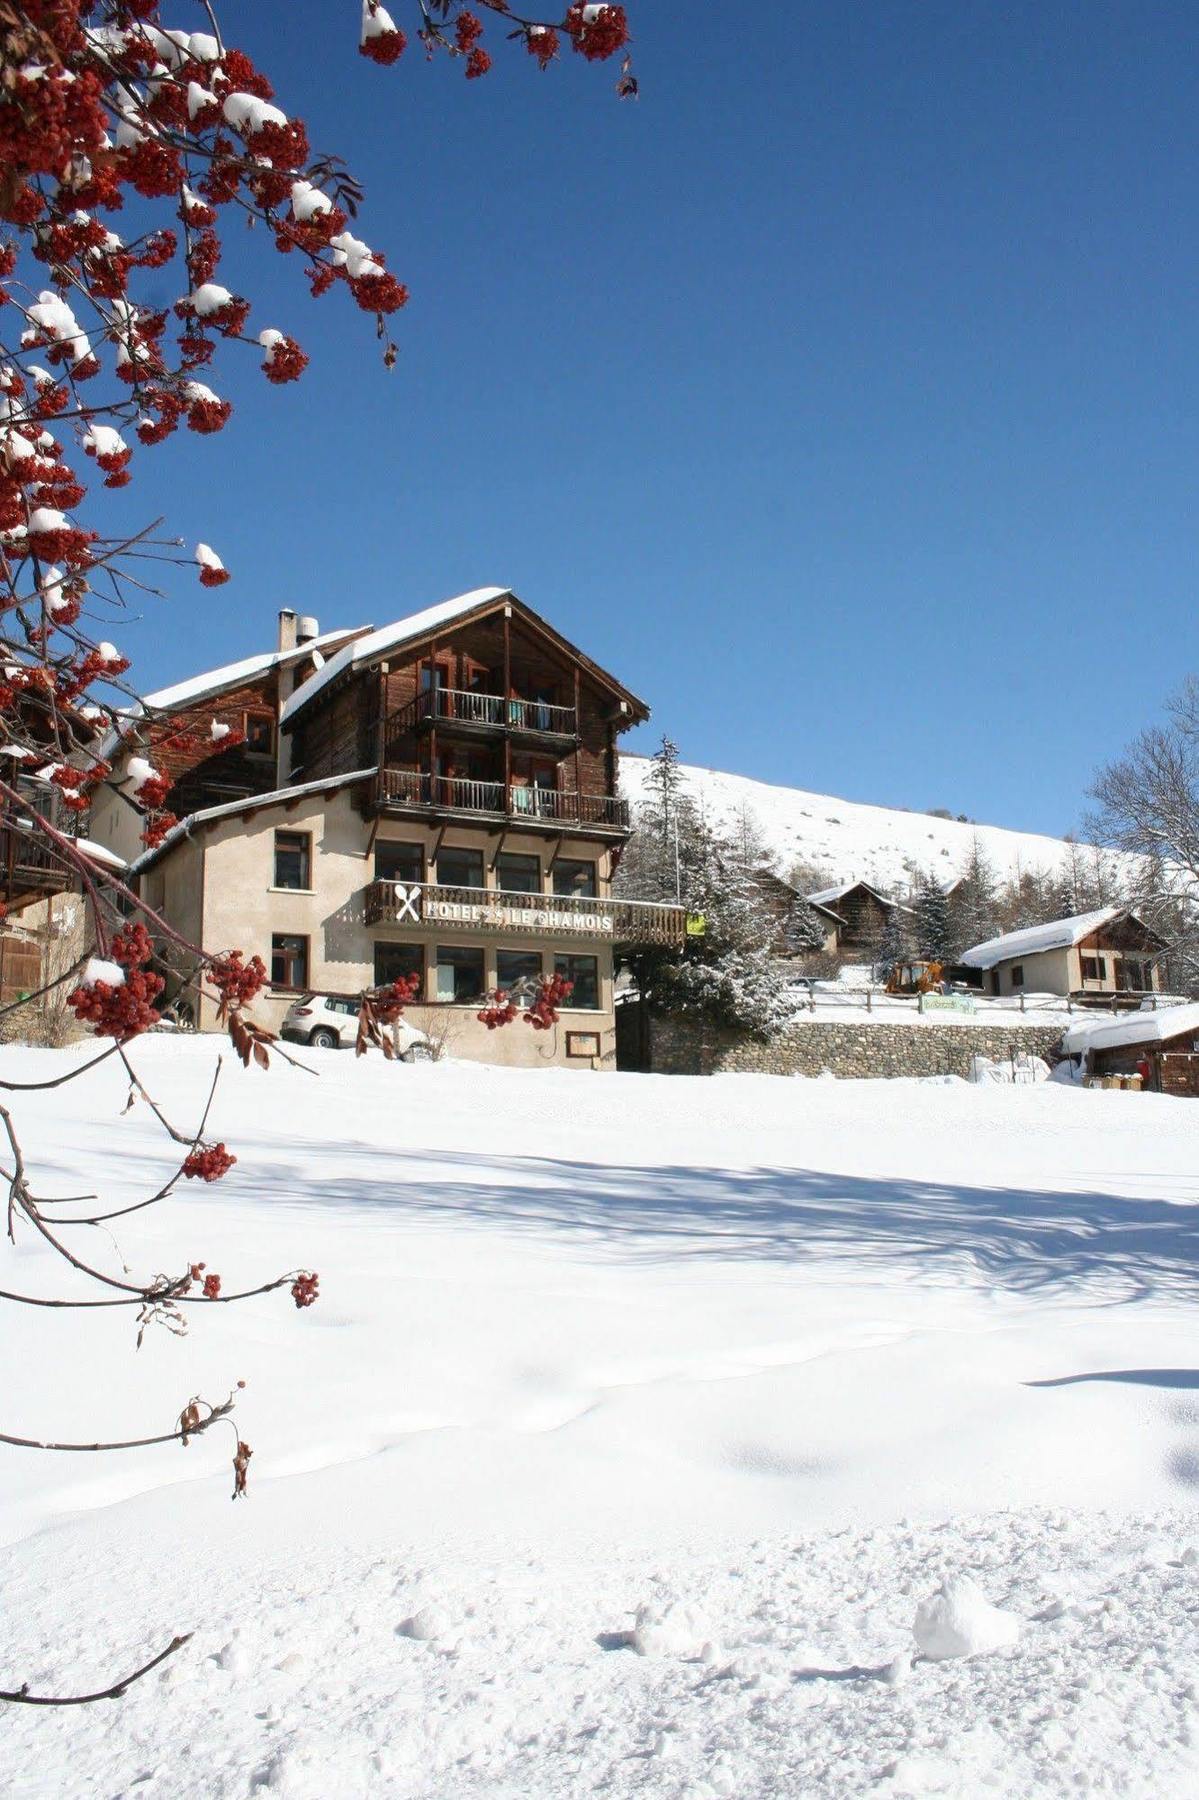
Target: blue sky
[(839, 395)]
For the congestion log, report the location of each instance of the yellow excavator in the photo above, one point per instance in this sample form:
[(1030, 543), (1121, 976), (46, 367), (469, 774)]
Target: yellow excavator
[(915, 977)]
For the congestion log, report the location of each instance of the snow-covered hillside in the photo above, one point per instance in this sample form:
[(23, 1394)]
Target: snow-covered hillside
[(637, 1418), (846, 841)]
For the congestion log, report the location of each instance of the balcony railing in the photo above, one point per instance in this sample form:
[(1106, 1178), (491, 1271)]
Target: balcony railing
[(519, 802), (497, 911), (29, 862), (463, 706)]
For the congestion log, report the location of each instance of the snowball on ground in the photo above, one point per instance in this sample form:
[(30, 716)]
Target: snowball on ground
[(670, 1628), (98, 968), (959, 1620)]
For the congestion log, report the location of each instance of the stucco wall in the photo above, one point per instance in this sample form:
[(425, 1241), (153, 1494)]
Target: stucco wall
[(229, 866), (870, 1052)]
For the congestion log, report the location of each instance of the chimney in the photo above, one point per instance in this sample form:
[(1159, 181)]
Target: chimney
[(307, 628), (287, 629)]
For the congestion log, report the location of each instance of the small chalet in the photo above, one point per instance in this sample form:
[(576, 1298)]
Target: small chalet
[(780, 901), (435, 799), (863, 915), (1162, 1046), (1111, 951)]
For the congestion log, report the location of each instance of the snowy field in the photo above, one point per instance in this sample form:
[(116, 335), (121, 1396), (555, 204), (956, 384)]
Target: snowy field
[(848, 840), (635, 1420)]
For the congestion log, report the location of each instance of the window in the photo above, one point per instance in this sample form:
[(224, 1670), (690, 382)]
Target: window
[(258, 729), (519, 874), (574, 878), (1017, 975), (460, 868), (514, 967), (1134, 975), (293, 859), (1094, 968), (289, 962), (583, 971), (396, 962), (399, 862), (459, 974)]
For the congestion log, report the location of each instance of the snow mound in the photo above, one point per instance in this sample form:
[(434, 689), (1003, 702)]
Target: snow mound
[(670, 1628), (959, 1620)]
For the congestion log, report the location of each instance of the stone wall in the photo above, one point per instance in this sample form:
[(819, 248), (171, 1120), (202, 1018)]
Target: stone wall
[(879, 1052)]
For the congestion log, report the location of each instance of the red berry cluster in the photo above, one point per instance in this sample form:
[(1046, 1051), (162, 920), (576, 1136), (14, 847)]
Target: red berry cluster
[(132, 945), (153, 791), (211, 1283), (209, 1164), (120, 1012), (597, 32), (552, 993), (304, 1289), (501, 1011), (157, 829), (238, 983)]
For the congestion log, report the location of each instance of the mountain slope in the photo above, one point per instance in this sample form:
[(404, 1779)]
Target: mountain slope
[(846, 841)]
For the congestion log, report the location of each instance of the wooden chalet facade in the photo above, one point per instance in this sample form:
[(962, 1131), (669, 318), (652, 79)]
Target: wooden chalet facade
[(443, 804), (863, 914)]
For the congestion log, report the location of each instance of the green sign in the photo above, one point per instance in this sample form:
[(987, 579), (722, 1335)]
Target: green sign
[(697, 925), (959, 1003)]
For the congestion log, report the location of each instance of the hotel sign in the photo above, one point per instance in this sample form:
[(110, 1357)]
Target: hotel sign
[(495, 912)]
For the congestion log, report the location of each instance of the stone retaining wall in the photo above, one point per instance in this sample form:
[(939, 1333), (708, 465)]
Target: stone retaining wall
[(879, 1052)]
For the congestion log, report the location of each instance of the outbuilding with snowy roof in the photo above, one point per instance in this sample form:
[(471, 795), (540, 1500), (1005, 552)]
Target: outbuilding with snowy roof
[(1108, 951)]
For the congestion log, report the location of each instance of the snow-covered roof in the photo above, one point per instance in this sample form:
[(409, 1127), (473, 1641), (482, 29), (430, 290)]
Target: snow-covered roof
[(99, 853), (248, 803), (1058, 934), (374, 644), (218, 681), (1150, 1026), (183, 693), (827, 895)]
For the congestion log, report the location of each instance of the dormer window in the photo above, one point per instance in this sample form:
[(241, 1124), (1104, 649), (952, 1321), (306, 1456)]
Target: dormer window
[(258, 729)]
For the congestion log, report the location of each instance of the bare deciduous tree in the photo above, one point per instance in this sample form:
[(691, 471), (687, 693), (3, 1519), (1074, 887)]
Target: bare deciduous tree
[(1147, 805)]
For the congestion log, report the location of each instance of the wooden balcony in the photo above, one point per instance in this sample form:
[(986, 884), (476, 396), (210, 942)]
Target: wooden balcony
[(413, 790), (462, 712), (497, 912), (30, 867)]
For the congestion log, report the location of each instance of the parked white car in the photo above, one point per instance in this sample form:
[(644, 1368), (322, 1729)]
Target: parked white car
[(332, 1023)]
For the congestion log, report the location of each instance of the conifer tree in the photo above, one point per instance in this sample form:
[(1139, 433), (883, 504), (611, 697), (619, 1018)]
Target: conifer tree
[(933, 932)]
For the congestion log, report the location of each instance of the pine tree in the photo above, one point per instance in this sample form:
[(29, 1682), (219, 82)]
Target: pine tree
[(804, 929), (974, 904), (932, 928)]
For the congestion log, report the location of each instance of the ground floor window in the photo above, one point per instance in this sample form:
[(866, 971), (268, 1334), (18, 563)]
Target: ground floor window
[(1017, 975), (1134, 975), (516, 967), (1094, 968), (460, 977), (289, 961), (398, 962), (583, 972)]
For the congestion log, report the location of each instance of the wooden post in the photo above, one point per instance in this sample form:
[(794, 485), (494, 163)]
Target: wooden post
[(578, 779)]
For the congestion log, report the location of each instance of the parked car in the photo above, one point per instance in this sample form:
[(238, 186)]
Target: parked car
[(332, 1023)]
